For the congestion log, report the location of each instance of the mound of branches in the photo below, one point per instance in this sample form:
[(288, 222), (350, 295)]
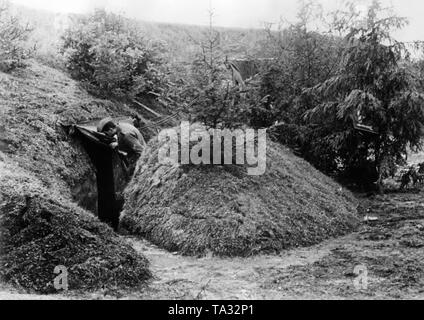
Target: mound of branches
[(201, 209), (40, 231)]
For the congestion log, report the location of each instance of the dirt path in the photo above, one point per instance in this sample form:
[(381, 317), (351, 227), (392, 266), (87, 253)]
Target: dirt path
[(178, 277), (390, 248)]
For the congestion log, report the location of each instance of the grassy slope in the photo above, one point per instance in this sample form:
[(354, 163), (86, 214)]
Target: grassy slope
[(33, 104), (41, 171)]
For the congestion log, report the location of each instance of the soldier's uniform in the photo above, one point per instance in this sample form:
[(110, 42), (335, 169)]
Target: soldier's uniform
[(130, 140), (114, 175)]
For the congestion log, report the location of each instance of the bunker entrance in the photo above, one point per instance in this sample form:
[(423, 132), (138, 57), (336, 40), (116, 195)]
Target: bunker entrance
[(110, 174)]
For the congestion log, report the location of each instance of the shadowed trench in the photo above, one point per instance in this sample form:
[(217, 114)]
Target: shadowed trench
[(111, 177)]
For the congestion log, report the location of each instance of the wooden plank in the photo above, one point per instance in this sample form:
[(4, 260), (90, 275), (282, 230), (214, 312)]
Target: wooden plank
[(148, 109)]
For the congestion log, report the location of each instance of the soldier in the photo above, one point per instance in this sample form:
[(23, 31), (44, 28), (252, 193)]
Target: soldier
[(128, 139)]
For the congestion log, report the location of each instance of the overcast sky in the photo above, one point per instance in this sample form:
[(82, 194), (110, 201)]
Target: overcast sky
[(229, 13)]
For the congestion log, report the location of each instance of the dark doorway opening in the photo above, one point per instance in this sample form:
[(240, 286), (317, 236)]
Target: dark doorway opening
[(111, 177)]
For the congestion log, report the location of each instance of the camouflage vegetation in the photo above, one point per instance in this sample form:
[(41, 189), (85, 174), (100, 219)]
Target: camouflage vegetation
[(110, 57), (221, 210)]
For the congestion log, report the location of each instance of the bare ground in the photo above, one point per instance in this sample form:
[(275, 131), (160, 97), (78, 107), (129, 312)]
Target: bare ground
[(391, 248)]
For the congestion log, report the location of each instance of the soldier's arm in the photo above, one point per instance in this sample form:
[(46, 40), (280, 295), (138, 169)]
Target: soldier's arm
[(135, 144)]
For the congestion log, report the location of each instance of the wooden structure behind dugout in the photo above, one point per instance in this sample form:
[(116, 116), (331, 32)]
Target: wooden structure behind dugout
[(244, 69)]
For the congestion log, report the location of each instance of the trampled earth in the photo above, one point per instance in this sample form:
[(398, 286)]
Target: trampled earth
[(391, 248)]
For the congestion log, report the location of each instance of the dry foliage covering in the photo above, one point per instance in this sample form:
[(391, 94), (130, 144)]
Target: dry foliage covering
[(197, 210), (40, 230)]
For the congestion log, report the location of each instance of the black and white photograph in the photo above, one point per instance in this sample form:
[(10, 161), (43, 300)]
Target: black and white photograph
[(211, 150)]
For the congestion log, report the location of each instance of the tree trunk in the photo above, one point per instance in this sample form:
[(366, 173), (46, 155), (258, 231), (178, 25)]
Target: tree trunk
[(380, 188), (379, 163)]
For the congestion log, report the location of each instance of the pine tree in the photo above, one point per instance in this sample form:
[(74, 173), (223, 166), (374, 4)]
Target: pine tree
[(13, 40), (374, 88)]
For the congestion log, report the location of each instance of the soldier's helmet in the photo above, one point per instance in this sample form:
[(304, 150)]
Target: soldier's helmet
[(103, 123)]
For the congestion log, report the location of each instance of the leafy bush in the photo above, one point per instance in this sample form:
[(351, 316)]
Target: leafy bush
[(110, 58), (13, 36)]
